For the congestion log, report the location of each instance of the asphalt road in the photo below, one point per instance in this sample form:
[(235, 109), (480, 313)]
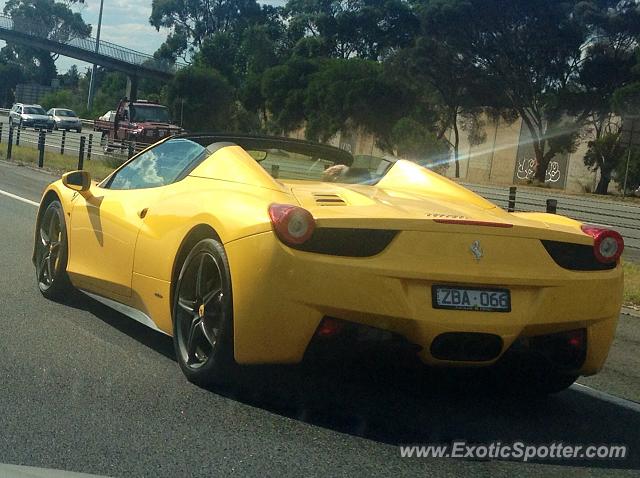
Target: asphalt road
[(85, 389)]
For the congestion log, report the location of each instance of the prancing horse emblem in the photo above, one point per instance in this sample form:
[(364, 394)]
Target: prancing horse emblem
[(476, 250)]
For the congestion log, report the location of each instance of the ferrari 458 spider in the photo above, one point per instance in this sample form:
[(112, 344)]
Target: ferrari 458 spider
[(252, 250)]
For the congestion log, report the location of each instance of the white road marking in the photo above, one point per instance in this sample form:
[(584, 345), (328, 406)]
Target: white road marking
[(19, 198), (605, 397)]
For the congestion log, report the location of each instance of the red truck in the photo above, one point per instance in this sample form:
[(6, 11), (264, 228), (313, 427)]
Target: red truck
[(140, 121)]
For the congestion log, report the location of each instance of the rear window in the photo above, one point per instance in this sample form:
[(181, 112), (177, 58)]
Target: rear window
[(282, 164), (66, 113), (33, 110)]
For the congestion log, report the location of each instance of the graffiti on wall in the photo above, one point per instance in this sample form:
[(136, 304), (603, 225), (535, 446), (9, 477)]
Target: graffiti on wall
[(526, 170), (526, 164)]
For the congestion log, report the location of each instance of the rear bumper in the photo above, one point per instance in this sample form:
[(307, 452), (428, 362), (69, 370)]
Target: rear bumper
[(69, 124), (281, 295)]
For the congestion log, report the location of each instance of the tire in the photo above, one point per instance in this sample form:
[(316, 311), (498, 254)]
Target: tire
[(51, 255), (79, 130), (552, 382), (534, 381), (202, 315)]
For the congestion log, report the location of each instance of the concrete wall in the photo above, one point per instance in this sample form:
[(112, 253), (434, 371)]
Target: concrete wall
[(497, 160)]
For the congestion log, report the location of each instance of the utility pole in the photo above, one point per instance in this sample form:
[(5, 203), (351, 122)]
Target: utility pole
[(92, 82)]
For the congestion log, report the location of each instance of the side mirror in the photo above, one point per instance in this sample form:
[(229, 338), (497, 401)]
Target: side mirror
[(77, 180)]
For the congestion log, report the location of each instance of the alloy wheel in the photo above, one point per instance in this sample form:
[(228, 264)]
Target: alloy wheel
[(199, 310)]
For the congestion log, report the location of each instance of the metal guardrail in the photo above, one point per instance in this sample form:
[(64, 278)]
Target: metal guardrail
[(619, 215), (90, 145), (105, 48)]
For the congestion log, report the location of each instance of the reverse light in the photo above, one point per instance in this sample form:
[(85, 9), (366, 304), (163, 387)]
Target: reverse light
[(292, 224), (607, 243)]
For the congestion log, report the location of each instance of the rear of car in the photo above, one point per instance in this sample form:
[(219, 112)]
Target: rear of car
[(398, 253)]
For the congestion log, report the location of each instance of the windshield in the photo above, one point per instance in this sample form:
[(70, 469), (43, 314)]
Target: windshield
[(34, 110), (66, 113), (150, 113), (283, 164)]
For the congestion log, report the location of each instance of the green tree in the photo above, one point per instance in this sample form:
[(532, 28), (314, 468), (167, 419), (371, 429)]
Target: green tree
[(525, 51), (10, 75), (58, 99), (351, 93), (192, 22), (206, 97), (632, 173), (71, 79), (442, 79), (366, 29), (608, 60), (284, 89), (605, 154), (413, 139)]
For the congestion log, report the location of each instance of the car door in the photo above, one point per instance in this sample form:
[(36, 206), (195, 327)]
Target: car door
[(104, 222), (103, 230)]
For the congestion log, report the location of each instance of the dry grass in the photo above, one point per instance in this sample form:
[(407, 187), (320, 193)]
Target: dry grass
[(55, 162), (631, 284)]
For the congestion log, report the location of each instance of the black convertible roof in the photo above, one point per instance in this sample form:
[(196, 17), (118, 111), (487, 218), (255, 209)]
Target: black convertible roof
[(249, 142)]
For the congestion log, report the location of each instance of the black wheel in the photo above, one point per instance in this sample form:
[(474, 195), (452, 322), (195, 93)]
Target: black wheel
[(202, 315), (79, 130), (533, 380), (51, 253), (551, 382)]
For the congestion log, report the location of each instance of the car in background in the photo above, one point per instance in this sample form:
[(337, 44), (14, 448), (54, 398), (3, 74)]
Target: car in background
[(65, 119), (108, 116), (141, 121), (30, 116)]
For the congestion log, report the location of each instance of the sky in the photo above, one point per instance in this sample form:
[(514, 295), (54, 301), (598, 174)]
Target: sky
[(125, 22)]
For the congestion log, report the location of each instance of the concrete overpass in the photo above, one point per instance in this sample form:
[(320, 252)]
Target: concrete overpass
[(133, 63)]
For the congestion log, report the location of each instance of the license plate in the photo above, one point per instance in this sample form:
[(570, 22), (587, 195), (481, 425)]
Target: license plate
[(470, 298)]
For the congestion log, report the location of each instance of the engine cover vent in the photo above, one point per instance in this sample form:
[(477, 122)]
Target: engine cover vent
[(328, 200)]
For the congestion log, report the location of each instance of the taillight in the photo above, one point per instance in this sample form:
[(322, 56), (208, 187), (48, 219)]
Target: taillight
[(329, 327), (607, 244), (292, 224)]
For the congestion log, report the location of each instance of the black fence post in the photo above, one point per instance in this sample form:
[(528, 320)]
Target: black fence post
[(1, 125), (10, 143), (81, 153), (131, 150), (18, 135), (89, 147), (512, 199), (63, 140), (552, 206), (41, 141)]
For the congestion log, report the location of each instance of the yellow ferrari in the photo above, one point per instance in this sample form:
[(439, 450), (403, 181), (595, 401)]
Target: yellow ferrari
[(253, 250)]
